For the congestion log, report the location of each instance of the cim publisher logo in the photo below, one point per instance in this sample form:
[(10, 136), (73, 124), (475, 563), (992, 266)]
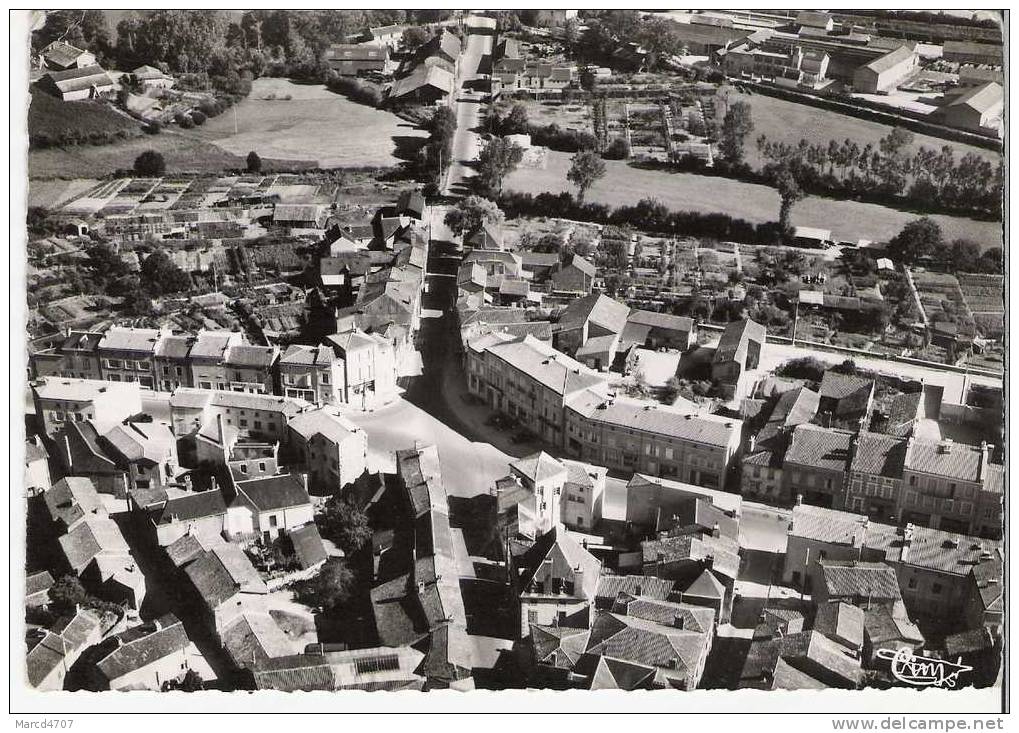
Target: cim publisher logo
[(920, 671)]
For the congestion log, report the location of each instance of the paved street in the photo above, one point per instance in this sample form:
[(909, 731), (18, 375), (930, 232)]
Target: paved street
[(468, 110), (468, 468)]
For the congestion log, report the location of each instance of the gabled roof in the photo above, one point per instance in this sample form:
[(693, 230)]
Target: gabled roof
[(72, 498), (647, 643), (148, 442), (879, 455), (296, 672), (840, 622), (882, 625), (735, 338), (666, 613), (356, 52), (257, 357), (838, 386), (874, 581), (664, 321), (538, 467), (143, 645), (192, 506), (411, 201), (66, 636), (558, 646), (94, 536), (308, 545), (423, 76), (827, 525), (598, 309), (549, 367), (945, 458), (890, 59), (253, 638), (269, 493), (324, 421), (705, 585), (61, 53), (566, 555), (74, 79), (122, 338), (213, 344), (981, 98), (575, 260), (222, 572), (820, 448)]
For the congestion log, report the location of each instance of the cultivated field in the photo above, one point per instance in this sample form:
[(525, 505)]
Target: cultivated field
[(850, 220), (787, 122), (313, 125)]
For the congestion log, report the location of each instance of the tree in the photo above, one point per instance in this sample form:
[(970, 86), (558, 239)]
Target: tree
[(160, 275), (331, 587), (805, 367), (618, 149), (789, 192), (254, 162), (586, 169), (346, 524), (736, 125), (571, 34), (516, 122), (992, 261), (414, 37), (67, 593), (497, 159), (198, 117), (964, 256), (192, 682), (150, 163), (471, 213), (919, 238)]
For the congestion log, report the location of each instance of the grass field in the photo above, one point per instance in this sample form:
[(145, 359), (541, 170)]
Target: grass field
[(183, 153), (314, 125), (787, 122), (52, 119), (50, 194), (849, 220)]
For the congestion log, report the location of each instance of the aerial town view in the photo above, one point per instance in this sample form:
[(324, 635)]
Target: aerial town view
[(414, 350)]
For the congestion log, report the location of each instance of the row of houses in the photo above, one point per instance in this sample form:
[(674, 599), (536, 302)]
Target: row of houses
[(815, 444), (511, 72), (350, 367), (938, 575), (97, 432), (570, 406)]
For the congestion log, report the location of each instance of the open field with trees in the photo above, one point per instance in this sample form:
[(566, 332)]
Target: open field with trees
[(307, 122), (787, 122), (849, 220), (183, 152)]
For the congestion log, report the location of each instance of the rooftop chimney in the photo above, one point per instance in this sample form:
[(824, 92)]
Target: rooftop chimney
[(716, 531)]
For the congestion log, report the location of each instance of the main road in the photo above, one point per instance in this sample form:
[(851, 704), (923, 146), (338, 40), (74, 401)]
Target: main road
[(468, 107)]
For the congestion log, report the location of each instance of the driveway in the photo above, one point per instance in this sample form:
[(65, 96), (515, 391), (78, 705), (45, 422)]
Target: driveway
[(468, 108)]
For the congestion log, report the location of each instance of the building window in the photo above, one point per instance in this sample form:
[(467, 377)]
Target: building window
[(936, 588), (272, 520), (532, 617), (911, 584), (244, 468), (261, 466)]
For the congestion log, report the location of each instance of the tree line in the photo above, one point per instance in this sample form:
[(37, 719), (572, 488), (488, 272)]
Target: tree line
[(890, 170)]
